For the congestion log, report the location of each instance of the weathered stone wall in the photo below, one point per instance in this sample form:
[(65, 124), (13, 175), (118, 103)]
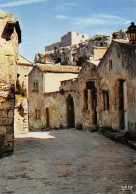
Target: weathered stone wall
[(123, 71), (36, 100), (8, 75), (56, 103), (53, 46), (21, 103), (87, 73), (114, 82), (21, 115)]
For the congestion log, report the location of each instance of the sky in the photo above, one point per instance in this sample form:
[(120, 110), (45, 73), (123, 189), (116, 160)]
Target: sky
[(43, 22)]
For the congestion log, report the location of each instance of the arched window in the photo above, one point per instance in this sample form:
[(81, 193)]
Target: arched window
[(86, 99), (106, 100), (36, 86)]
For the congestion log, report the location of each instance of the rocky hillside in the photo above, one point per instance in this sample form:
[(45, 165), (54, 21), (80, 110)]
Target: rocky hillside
[(69, 55)]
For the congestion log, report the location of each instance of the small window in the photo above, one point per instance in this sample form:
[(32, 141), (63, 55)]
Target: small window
[(110, 64), (83, 36), (37, 113), (106, 100), (86, 99), (35, 86)]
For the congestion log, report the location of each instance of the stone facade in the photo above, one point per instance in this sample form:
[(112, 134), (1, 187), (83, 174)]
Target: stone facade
[(117, 77), (21, 111), (10, 37), (43, 80), (62, 106), (72, 38), (109, 101)]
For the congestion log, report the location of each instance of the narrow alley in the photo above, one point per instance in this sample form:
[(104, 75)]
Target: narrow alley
[(67, 162)]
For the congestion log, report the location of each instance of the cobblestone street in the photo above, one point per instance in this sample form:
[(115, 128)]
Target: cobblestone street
[(68, 162)]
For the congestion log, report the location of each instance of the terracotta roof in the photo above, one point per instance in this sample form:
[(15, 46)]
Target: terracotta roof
[(24, 61), (58, 68)]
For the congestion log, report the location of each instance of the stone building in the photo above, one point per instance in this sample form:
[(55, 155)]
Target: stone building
[(107, 90), (43, 80), (71, 38), (103, 95), (21, 115), (116, 88), (10, 37)]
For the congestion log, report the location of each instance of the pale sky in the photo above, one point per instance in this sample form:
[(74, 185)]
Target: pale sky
[(43, 22)]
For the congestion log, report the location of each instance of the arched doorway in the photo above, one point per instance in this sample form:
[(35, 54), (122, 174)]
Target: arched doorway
[(94, 104), (70, 112)]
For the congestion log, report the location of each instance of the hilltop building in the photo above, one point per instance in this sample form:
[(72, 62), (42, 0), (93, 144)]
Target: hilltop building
[(70, 39)]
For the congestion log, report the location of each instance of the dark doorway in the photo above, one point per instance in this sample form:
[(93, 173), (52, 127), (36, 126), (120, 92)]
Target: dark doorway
[(119, 102), (47, 117), (70, 112), (94, 105)]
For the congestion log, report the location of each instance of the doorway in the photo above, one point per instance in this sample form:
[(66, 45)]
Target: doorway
[(47, 117), (70, 112), (94, 105), (119, 102)]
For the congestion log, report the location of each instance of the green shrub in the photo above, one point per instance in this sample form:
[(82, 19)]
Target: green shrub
[(81, 60), (20, 90)]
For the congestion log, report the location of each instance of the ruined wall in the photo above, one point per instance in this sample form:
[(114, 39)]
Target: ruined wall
[(8, 75), (36, 100), (53, 46), (21, 103)]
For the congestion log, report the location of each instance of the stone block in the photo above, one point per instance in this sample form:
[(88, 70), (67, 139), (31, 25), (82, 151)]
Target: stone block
[(9, 137), (3, 113), (6, 121), (2, 130), (10, 113), (9, 129)]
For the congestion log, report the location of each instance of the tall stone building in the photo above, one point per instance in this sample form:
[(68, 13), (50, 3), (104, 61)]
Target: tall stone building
[(10, 37)]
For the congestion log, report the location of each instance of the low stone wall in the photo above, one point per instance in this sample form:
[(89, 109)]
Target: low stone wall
[(21, 115)]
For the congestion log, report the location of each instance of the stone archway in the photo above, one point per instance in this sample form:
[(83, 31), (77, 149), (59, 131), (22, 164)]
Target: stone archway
[(70, 112)]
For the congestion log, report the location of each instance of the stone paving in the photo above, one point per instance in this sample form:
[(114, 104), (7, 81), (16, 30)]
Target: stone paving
[(67, 162)]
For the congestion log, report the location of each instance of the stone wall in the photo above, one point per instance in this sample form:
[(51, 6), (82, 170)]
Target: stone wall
[(8, 73), (111, 90), (57, 106), (21, 103), (53, 46), (120, 82)]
